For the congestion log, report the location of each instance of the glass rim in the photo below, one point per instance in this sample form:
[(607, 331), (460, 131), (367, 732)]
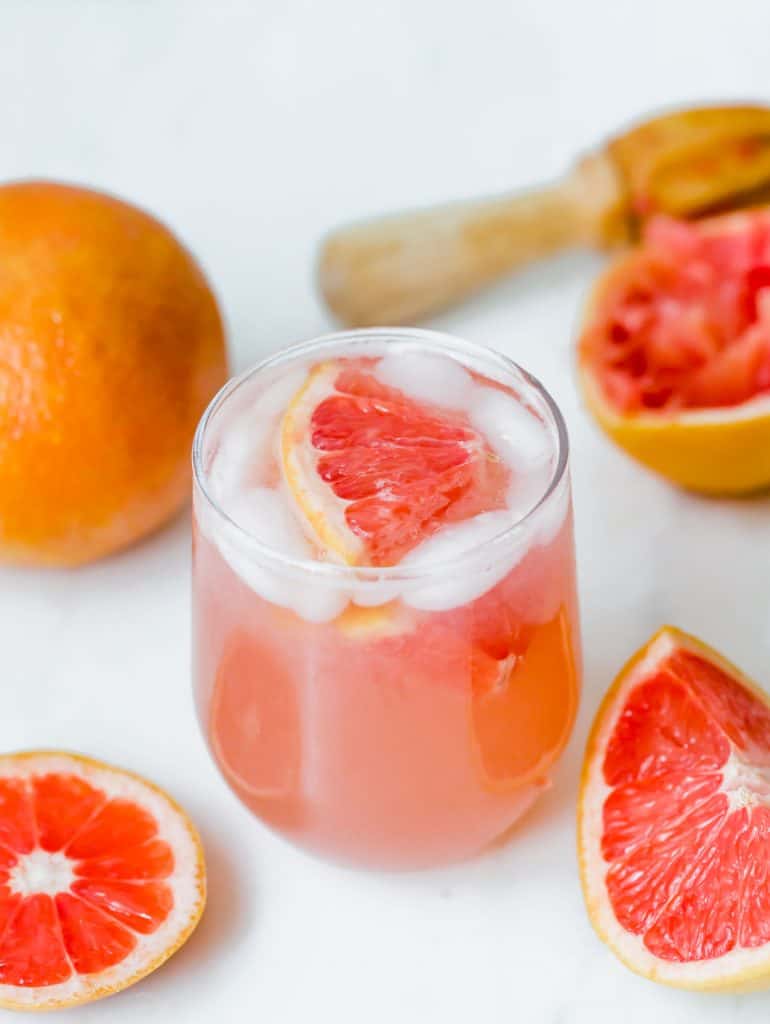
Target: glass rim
[(434, 340)]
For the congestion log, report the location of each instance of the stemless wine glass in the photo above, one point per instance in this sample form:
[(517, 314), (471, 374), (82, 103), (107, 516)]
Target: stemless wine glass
[(401, 716)]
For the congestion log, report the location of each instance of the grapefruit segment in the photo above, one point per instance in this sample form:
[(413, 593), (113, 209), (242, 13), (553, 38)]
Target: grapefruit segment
[(674, 355), (674, 819), (101, 879), (118, 824), (92, 939), (151, 860), (62, 805), (32, 953), (374, 472), (141, 906), (17, 822)]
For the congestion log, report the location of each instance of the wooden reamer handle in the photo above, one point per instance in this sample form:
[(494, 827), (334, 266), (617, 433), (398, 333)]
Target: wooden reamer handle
[(400, 268)]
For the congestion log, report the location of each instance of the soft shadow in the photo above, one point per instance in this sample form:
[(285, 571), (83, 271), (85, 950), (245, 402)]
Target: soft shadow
[(230, 911), (556, 805), (561, 273), (173, 535)]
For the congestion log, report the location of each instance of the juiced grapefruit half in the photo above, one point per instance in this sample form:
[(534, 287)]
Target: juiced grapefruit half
[(674, 354), (101, 879), (374, 472), (674, 819)]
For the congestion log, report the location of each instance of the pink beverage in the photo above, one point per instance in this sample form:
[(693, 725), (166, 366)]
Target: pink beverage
[(386, 647)]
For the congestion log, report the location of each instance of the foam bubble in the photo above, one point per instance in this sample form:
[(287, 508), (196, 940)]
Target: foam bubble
[(513, 432), (426, 377)]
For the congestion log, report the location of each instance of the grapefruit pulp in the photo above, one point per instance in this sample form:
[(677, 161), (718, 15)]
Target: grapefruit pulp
[(101, 879), (674, 819), (674, 355), (374, 472)]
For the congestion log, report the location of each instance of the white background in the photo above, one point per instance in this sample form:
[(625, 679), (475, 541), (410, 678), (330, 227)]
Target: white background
[(252, 127)]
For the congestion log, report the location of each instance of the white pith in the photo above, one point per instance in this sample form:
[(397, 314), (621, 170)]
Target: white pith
[(41, 872), (750, 409), (42, 869), (745, 784)]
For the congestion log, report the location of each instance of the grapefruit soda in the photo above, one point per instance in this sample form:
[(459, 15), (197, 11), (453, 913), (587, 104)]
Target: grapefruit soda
[(386, 647)]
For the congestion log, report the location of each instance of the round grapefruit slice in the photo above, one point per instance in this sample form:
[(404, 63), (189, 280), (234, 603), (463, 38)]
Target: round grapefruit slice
[(517, 734), (375, 472), (101, 879), (674, 819), (674, 355)]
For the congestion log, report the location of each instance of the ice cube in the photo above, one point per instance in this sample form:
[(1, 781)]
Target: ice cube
[(428, 378), (456, 589), (513, 432), (266, 515), (249, 438), (549, 519), (527, 489), (230, 465), (370, 593), (318, 600)]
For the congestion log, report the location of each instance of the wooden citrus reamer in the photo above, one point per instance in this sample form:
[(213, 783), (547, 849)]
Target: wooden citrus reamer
[(398, 268)]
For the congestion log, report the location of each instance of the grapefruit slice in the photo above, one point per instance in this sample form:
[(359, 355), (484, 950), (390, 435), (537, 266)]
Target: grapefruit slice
[(374, 472), (256, 727), (516, 733), (674, 819), (674, 356), (101, 879)]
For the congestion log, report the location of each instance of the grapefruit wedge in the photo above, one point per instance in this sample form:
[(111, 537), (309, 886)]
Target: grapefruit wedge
[(674, 819), (674, 354), (101, 879), (374, 472)]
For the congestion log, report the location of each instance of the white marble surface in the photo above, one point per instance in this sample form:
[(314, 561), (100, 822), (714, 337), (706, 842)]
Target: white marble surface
[(251, 127)]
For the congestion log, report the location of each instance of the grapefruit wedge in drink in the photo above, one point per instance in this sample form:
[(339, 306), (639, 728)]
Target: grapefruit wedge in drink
[(674, 819), (386, 643), (674, 355), (101, 879), (374, 472)]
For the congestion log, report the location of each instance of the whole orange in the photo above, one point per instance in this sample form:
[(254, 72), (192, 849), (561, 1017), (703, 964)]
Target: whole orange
[(111, 344)]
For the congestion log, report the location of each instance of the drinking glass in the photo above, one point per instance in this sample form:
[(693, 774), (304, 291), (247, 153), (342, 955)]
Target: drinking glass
[(393, 717)]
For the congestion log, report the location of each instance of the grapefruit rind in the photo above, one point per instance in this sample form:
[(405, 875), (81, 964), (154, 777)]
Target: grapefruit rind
[(718, 452), (324, 513), (740, 970), (188, 881)]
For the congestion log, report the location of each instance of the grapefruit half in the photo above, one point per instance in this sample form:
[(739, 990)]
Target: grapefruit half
[(374, 472), (674, 354), (101, 879), (674, 819)]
